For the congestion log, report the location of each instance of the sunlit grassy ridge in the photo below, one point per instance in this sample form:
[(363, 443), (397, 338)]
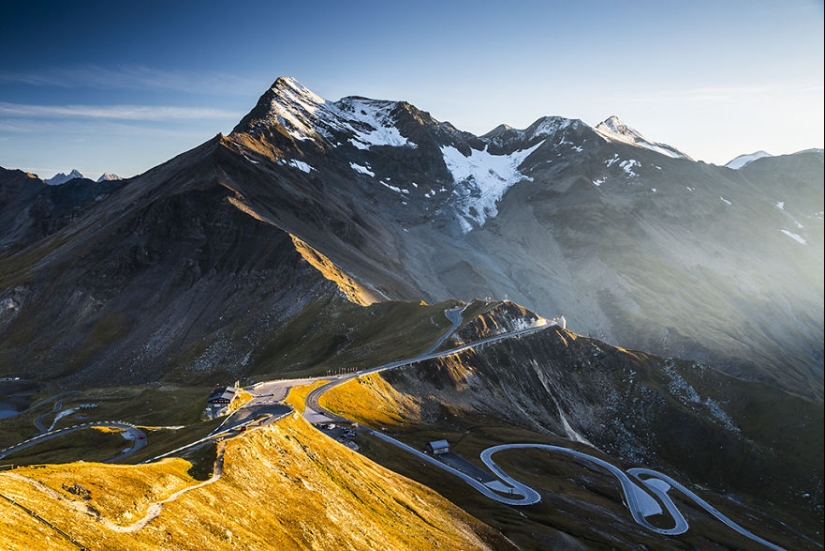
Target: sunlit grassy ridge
[(371, 400), (286, 486)]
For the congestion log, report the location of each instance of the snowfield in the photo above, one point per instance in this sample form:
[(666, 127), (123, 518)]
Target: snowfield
[(486, 178)]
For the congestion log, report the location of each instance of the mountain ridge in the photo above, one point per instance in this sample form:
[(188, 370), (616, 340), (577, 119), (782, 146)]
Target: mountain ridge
[(636, 247), (619, 180)]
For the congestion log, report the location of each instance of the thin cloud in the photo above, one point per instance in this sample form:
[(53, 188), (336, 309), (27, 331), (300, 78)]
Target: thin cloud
[(133, 77), (116, 112)]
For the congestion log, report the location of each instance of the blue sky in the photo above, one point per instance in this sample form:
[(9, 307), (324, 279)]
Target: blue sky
[(123, 86)]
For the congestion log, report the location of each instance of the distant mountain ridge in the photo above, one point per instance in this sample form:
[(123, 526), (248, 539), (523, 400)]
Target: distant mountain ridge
[(62, 178), (743, 160)]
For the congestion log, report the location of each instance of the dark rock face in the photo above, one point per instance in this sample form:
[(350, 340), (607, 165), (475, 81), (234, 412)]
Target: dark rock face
[(31, 210)]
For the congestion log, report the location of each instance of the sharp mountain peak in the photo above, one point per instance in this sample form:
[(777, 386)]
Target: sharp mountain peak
[(296, 111)]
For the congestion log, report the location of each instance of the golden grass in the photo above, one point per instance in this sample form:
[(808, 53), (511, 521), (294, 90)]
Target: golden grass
[(108, 429), (137, 486), (353, 290), (242, 397), (285, 486), (372, 401), (298, 394)]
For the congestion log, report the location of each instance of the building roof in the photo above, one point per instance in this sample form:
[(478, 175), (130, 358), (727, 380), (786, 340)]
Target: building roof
[(439, 444), (225, 396)]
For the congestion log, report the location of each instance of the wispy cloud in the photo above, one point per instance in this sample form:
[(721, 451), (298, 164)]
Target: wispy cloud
[(134, 77), (117, 112)]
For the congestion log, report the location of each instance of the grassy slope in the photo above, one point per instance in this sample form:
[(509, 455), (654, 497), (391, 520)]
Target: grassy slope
[(285, 487)]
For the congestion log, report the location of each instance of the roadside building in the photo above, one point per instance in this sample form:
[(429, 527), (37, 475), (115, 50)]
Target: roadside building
[(219, 400), (438, 447)]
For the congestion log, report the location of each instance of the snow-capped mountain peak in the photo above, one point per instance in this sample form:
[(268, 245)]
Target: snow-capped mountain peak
[(614, 130), (62, 178), (744, 160), (305, 116), (108, 177), (294, 107)]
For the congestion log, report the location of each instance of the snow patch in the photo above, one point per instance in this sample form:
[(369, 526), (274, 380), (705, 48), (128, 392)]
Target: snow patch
[(598, 182), (361, 169), (798, 238), (743, 160), (294, 163), (394, 188), (725, 200), (483, 179), (780, 205), (372, 123), (628, 165), (614, 130)]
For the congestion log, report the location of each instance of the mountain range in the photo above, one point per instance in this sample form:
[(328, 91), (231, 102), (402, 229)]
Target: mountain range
[(629, 239), (290, 243), (61, 177)]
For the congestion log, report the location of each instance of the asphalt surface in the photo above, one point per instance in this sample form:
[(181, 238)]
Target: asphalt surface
[(132, 433)]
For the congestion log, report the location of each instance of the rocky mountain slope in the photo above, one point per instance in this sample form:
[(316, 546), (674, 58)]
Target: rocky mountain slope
[(628, 238)]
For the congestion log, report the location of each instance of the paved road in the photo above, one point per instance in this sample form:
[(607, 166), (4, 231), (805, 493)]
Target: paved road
[(656, 479), (639, 502), (316, 413), (526, 495), (131, 433)]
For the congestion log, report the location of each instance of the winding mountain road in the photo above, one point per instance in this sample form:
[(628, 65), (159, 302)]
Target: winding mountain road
[(640, 503)]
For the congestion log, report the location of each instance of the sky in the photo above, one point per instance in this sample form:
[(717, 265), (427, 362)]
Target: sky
[(115, 86)]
